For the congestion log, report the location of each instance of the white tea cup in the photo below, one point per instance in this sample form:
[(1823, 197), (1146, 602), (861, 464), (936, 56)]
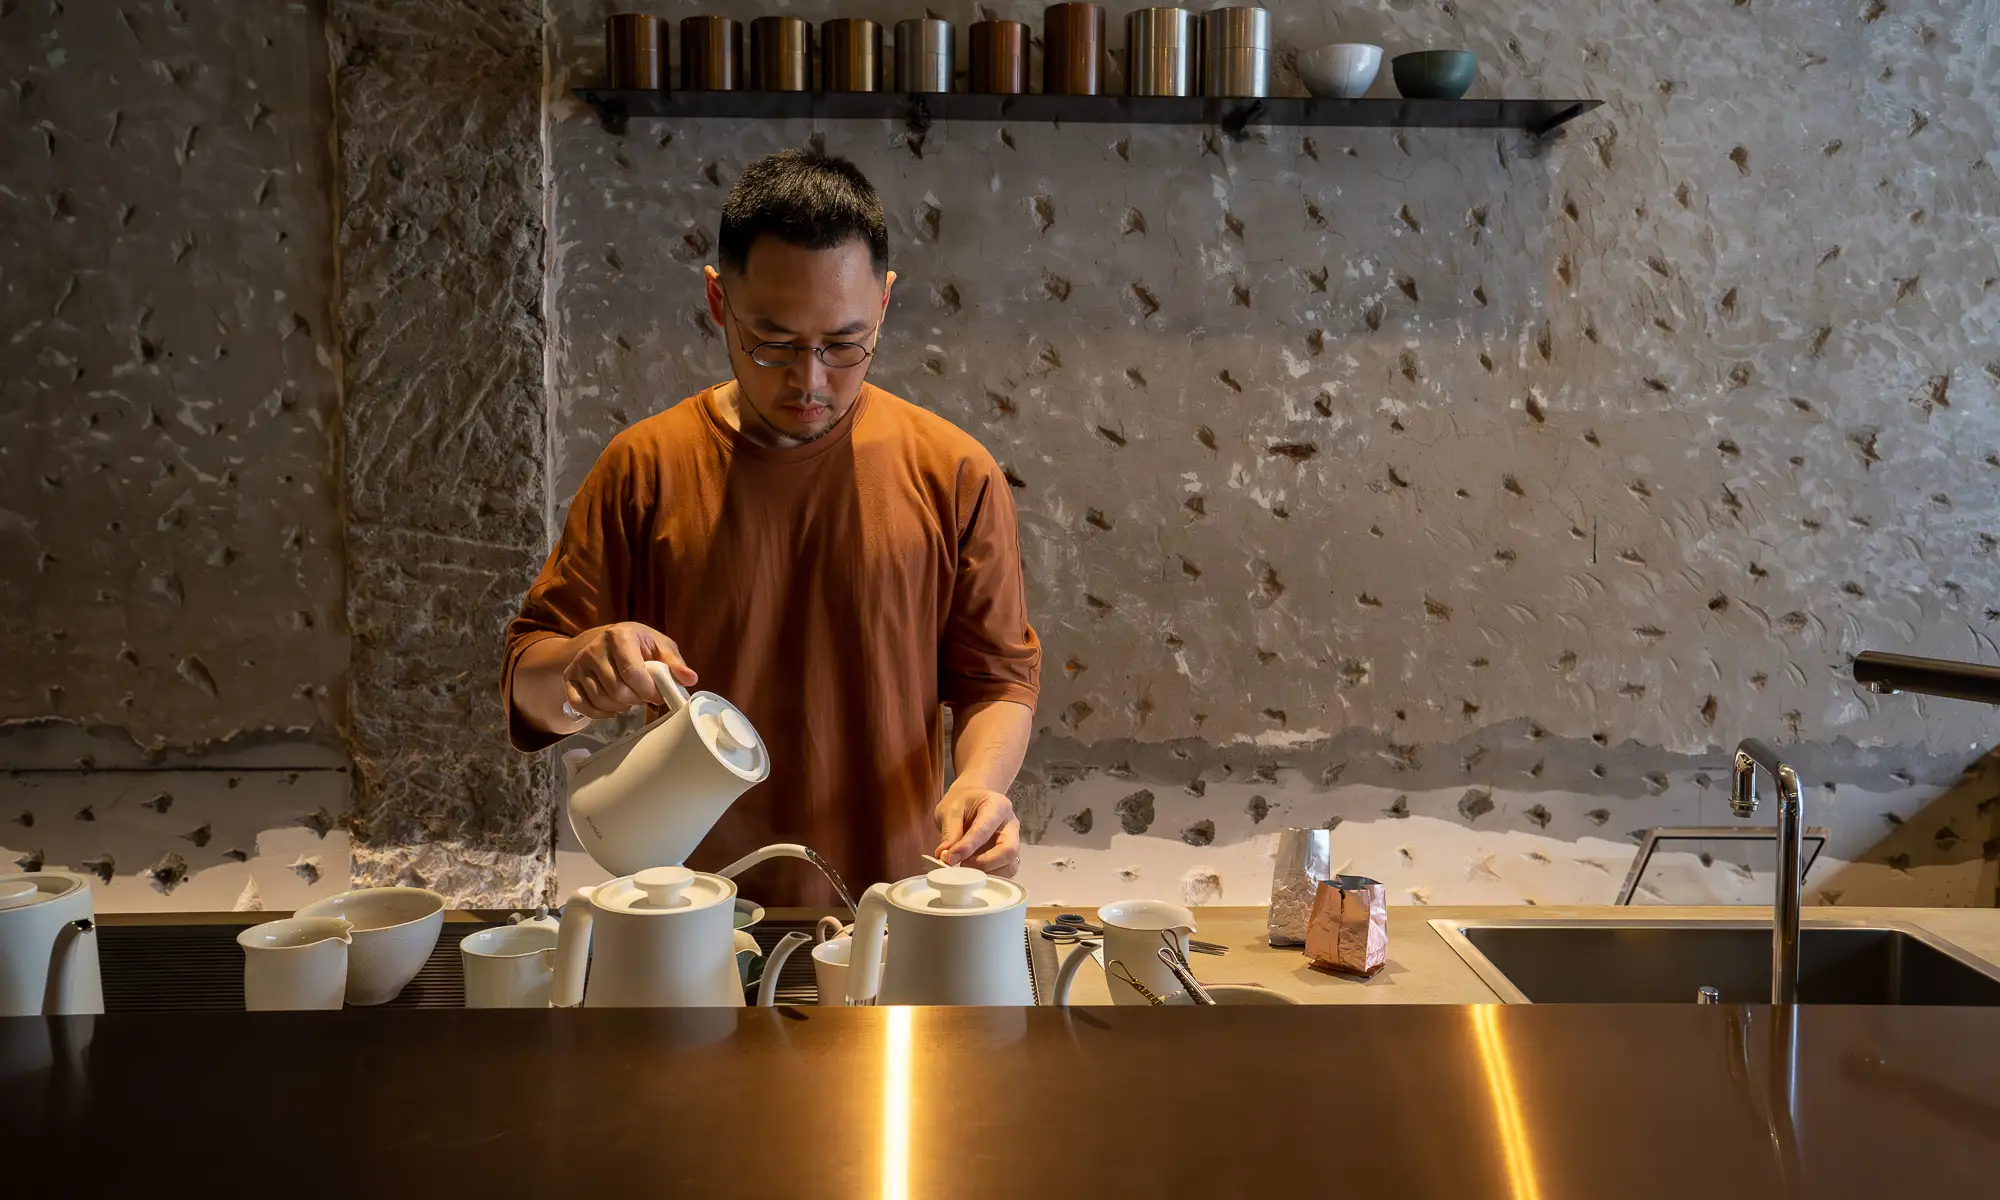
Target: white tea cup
[(296, 963), (830, 959), (512, 966)]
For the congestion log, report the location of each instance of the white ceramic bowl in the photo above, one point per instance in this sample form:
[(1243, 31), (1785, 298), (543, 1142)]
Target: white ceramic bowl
[(1343, 70), (395, 930), (1243, 993)]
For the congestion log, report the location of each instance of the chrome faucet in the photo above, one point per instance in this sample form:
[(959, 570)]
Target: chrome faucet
[(1751, 754)]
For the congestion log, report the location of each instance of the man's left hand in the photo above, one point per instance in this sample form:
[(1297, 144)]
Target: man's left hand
[(978, 828)]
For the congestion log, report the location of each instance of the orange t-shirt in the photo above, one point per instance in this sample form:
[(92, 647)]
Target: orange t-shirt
[(837, 592)]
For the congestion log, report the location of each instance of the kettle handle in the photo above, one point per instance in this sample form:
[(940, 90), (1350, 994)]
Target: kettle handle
[(572, 951), (671, 690), (1078, 955), (864, 956)]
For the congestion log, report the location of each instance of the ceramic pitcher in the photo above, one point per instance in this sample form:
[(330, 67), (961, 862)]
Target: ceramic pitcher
[(1134, 931), (296, 963)]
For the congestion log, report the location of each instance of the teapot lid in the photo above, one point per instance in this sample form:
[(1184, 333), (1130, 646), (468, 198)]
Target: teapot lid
[(663, 890), (729, 736), (19, 891), (955, 890)]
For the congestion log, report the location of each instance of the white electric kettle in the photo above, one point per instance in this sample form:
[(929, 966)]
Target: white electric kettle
[(48, 946), (662, 938), (960, 937), (665, 937), (647, 799)]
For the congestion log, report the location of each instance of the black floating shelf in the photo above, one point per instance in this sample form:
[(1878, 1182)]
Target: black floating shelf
[(920, 110)]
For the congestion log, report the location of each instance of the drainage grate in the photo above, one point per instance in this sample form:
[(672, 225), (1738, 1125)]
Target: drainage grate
[(199, 968)]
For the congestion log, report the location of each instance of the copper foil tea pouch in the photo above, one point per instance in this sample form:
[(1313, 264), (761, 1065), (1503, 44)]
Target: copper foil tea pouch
[(1349, 928), (1304, 858)]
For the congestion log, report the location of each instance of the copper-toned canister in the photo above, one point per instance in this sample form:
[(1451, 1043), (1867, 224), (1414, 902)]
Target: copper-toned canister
[(711, 54), (850, 51), (1073, 50), (635, 51), (780, 55), (999, 53)]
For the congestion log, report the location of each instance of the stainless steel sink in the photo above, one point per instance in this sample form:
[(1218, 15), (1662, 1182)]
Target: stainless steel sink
[(1668, 962)]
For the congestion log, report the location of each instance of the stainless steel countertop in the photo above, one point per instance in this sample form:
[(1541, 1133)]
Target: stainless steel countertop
[(1422, 1100)]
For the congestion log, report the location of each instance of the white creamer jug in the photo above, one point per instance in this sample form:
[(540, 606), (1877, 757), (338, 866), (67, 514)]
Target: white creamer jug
[(649, 798)]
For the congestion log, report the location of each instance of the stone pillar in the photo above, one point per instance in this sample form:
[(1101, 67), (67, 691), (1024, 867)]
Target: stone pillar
[(438, 175)]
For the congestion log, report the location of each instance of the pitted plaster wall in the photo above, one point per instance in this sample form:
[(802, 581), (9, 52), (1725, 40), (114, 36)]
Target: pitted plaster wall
[(171, 606), (1433, 473), (1471, 493)]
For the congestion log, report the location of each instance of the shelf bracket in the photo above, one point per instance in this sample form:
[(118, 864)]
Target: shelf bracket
[(1559, 118), (917, 113), (1235, 121), (611, 115)]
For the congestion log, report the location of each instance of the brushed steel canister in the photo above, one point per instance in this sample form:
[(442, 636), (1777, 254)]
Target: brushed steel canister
[(1161, 47), (635, 51), (711, 54), (1236, 52), (780, 55), (923, 55), (1073, 50), (850, 55), (999, 52)]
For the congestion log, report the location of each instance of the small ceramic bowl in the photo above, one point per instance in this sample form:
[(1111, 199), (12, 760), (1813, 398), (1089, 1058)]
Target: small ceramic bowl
[(1341, 71), (395, 930), (1435, 74), (1243, 993)]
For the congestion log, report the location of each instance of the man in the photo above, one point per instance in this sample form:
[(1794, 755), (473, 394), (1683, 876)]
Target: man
[(834, 560)]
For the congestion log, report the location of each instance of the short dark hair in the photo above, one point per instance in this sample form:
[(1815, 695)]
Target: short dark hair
[(810, 200)]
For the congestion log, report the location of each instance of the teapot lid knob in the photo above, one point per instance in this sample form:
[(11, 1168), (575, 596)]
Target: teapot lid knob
[(956, 886), (663, 886), (733, 732)]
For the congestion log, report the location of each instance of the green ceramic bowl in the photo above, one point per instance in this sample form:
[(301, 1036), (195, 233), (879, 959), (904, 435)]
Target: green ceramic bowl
[(1435, 74)]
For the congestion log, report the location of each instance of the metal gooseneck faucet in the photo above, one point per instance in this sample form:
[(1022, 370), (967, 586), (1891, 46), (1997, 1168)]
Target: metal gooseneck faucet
[(1751, 754)]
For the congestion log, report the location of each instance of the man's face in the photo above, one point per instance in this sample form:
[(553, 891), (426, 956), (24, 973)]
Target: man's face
[(805, 298)]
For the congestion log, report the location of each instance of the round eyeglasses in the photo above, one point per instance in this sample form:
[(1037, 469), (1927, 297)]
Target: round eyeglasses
[(838, 356)]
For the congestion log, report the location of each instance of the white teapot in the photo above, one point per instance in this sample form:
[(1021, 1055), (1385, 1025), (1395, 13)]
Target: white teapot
[(960, 937), (48, 946)]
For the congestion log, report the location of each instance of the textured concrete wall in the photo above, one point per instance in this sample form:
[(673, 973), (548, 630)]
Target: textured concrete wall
[(168, 523), (170, 548), (439, 172), (1471, 493)]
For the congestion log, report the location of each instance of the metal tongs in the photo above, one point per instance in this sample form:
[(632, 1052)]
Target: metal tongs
[(1170, 954)]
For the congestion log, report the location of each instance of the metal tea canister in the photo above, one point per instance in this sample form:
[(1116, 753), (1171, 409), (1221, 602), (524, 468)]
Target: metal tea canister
[(850, 55), (1161, 52), (1236, 52), (1073, 50), (711, 54), (780, 55), (924, 55), (998, 57), (635, 52)]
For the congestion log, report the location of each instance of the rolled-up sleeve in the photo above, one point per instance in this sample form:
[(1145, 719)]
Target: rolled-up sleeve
[(586, 581), (988, 651)]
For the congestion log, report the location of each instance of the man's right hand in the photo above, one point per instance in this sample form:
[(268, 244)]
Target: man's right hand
[(607, 674)]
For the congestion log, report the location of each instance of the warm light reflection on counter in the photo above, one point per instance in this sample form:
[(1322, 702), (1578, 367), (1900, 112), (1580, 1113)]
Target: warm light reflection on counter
[(1511, 1126), (896, 1104)]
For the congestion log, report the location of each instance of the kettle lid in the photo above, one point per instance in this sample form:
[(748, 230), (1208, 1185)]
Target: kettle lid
[(949, 891), (730, 736), (19, 891), (664, 891)]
